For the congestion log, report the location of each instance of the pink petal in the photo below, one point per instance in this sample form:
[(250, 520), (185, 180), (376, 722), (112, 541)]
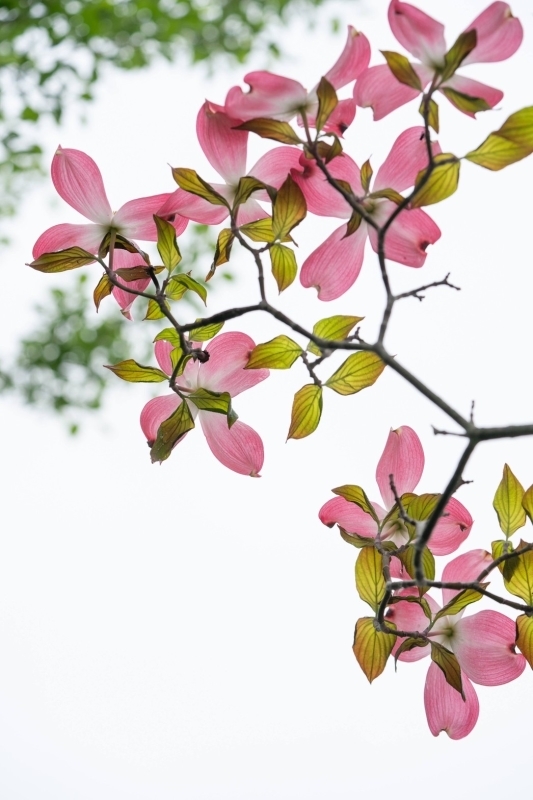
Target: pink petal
[(239, 448), (274, 166), (224, 372), (451, 531), (162, 352), (499, 35), (59, 237), (409, 617), (484, 646), (155, 412), (191, 207), (352, 61), (270, 95), (349, 516), (445, 708), (464, 569), (377, 88), (79, 182), (321, 198), (250, 212), (408, 156), (342, 117), (474, 89), (335, 264), (224, 146), (124, 260), (408, 236), (419, 33), (135, 219), (403, 457)]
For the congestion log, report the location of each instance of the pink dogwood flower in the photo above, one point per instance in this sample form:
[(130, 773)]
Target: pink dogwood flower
[(239, 448), (483, 644), (78, 181), (403, 458), (226, 151), (276, 97), (499, 35), (335, 265)]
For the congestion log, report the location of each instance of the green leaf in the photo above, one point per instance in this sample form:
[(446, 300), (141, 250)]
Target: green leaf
[(336, 328), (154, 310), (170, 432), (442, 182), (177, 357), (103, 288), (356, 540), (133, 372), (428, 564), (179, 284), (205, 332), (524, 637), (366, 175), (271, 129), (306, 411), (457, 53), (465, 102), (421, 507), (402, 69), (433, 112), (327, 102), (372, 647), (167, 244), (168, 335), (508, 503), (369, 579), (284, 267), (205, 400), (460, 601), (518, 574), (289, 208), (246, 187), (260, 231), (63, 260), (190, 181), (359, 371), (354, 494), (512, 142), (448, 663), (278, 353), (527, 502)]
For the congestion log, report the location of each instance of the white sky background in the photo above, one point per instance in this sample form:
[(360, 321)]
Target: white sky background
[(184, 632)]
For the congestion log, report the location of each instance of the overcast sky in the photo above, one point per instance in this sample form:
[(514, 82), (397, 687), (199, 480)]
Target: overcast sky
[(180, 631)]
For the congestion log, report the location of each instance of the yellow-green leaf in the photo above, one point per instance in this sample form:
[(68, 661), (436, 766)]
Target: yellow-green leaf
[(103, 289), (190, 181), (327, 102), (448, 663), (432, 112), (278, 353), (359, 371), (222, 251), (366, 175), (246, 187), (204, 332), (465, 102), (335, 328), (133, 372), (442, 182), (527, 502), (154, 310), (402, 69), (271, 129), (306, 411), (369, 579), (508, 503), (354, 494), (167, 244), (289, 208), (353, 224), (457, 53), (284, 267), (179, 284), (421, 507), (524, 637), (138, 273), (518, 574), (512, 142), (170, 432), (372, 647), (63, 260), (428, 564), (168, 335), (460, 601), (217, 402), (355, 540)]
